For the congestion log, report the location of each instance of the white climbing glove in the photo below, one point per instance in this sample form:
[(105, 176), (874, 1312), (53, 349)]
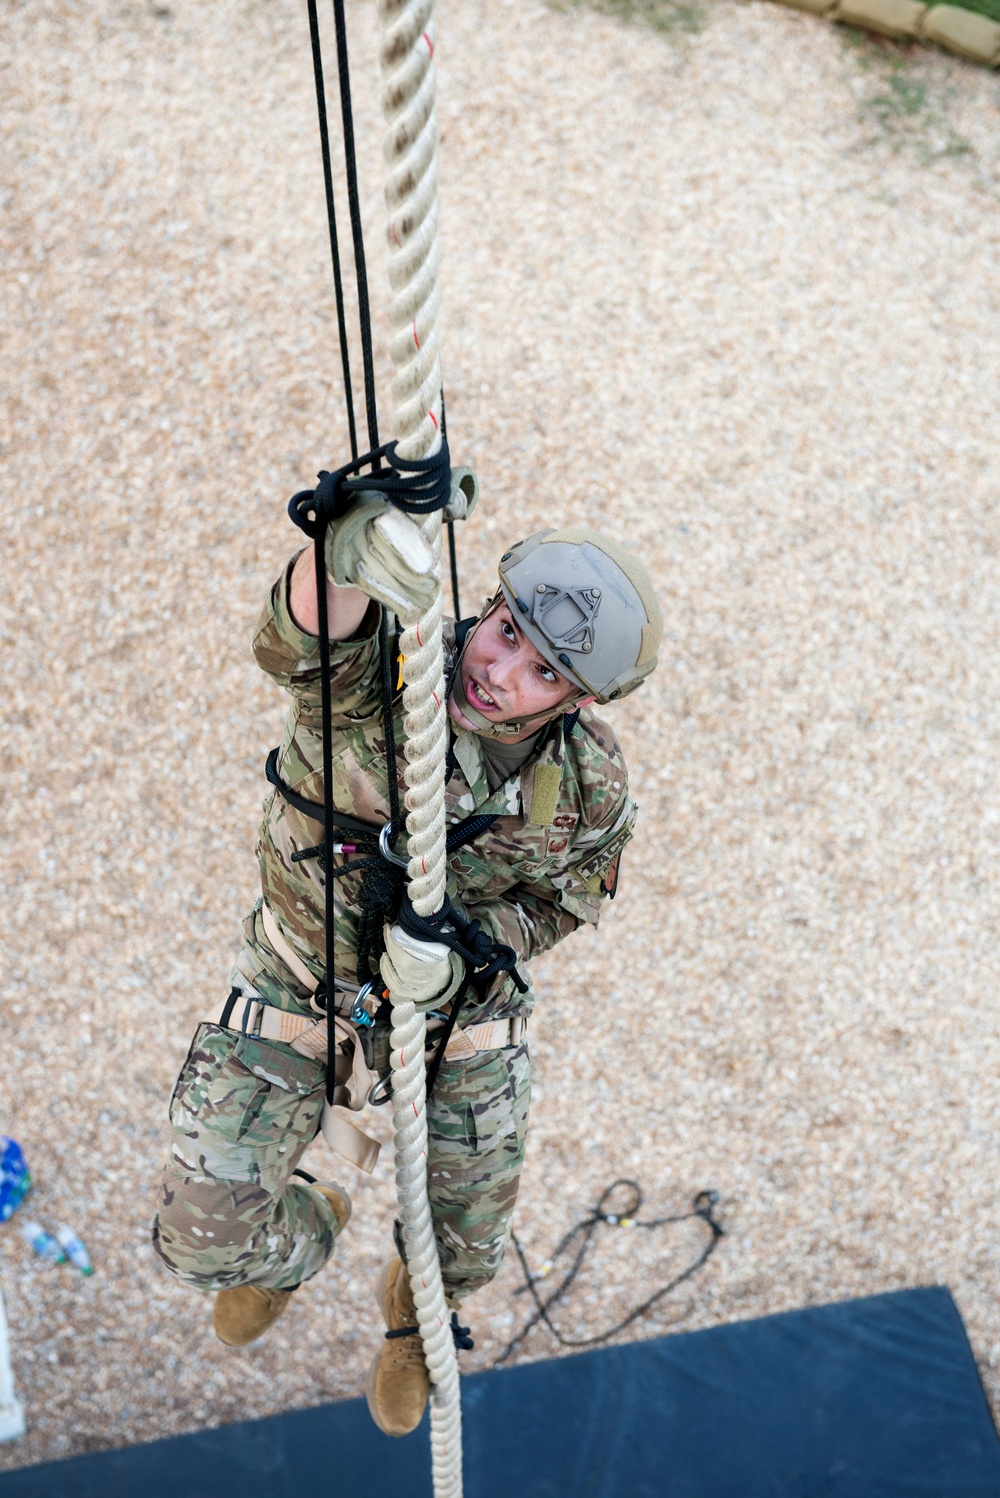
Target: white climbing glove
[(425, 972), (464, 494), (382, 551)]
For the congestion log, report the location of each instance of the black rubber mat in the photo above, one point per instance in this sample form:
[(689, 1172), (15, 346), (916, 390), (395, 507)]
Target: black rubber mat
[(876, 1398)]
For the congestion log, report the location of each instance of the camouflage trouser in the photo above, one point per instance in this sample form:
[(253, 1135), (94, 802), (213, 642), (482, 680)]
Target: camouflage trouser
[(242, 1114)]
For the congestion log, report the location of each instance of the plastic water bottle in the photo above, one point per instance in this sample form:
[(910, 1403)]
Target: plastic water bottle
[(15, 1180), (74, 1249), (42, 1242)]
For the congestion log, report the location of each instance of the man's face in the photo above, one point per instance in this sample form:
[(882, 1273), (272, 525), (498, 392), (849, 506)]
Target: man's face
[(504, 677)]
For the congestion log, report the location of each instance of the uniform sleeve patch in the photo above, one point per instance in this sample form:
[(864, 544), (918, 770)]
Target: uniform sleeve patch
[(599, 871)]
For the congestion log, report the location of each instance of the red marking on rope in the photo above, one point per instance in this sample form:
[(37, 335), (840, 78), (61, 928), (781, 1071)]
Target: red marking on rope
[(419, 640), (414, 1107), (433, 418), (430, 45), (423, 865), (395, 235), (415, 338), (437, 703)]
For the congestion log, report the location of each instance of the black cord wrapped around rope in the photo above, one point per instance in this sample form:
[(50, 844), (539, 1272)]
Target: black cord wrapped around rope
[(417, 485), (485, 956)]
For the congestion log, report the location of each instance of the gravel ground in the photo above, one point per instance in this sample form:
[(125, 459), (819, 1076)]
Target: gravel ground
[(731, 289)]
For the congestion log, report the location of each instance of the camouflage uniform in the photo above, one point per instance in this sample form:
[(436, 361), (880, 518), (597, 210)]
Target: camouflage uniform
[(244, 1110)]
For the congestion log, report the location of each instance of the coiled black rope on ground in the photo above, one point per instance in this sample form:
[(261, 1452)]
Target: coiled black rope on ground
[(702, 1207)]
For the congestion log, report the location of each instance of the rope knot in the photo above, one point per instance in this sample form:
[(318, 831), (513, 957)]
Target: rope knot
[(417, 485)]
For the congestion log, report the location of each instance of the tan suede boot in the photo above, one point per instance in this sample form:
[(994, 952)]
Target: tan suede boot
[(243, 1314), (397, 1385)]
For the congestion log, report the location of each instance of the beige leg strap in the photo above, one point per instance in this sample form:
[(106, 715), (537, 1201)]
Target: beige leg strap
[(353, 1079), (279, 942)]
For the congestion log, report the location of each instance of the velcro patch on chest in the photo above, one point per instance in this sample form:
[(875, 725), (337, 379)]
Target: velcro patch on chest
[(544, 794)]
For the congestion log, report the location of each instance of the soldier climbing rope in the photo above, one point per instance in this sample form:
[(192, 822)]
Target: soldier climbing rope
[(509, 738), (419, 481)]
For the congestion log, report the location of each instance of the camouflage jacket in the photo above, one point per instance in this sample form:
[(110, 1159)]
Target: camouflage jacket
[(541, 870)]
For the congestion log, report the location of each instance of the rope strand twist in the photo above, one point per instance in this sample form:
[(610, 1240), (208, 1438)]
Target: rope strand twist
[(407, 62)]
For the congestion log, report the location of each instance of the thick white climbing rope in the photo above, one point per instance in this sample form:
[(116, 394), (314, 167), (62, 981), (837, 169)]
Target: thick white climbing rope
[(407, 59)]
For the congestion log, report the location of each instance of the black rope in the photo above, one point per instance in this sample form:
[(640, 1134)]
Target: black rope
[(702, 1207), (331, 217), (453, 562), (330, 909), (387, 662), (456, 1008), (461, 1335), (486, 956), (354, 205), (418, 486), (452, 554)]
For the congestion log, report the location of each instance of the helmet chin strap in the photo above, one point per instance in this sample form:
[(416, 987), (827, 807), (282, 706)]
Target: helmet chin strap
[(487, 728)]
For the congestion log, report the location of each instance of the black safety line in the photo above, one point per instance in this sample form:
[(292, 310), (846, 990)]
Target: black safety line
[(387, 661), (452, 554), (702, 1207), (331, 216), (456, 1005), (453, 563), (313, 809), (329, 886), (354, 205), (419, 486)]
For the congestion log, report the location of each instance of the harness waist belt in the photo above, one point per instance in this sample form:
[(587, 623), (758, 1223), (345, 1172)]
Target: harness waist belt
[(492, 1035), (309, 1036)]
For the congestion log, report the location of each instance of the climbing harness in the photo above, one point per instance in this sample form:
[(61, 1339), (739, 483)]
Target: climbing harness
[(703, 1208)]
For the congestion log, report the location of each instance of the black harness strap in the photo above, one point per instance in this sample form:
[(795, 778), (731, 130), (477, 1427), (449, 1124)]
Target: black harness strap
[(458, 835), (314, 809)]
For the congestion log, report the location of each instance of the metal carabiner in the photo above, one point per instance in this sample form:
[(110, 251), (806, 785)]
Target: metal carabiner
[(359, 1014), (386, 851), (381, 1092)]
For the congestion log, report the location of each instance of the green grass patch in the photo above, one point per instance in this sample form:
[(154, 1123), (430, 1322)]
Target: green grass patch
[(989, 8), (666, 16), (903, 104)]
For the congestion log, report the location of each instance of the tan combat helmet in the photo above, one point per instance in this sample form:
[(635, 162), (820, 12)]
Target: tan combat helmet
[(588, 606)]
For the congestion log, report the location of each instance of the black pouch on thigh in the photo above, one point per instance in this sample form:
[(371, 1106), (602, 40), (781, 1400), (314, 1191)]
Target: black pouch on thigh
[(244, 1109)]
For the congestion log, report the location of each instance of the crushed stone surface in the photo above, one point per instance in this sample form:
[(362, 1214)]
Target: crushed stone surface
[(731, 292)]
